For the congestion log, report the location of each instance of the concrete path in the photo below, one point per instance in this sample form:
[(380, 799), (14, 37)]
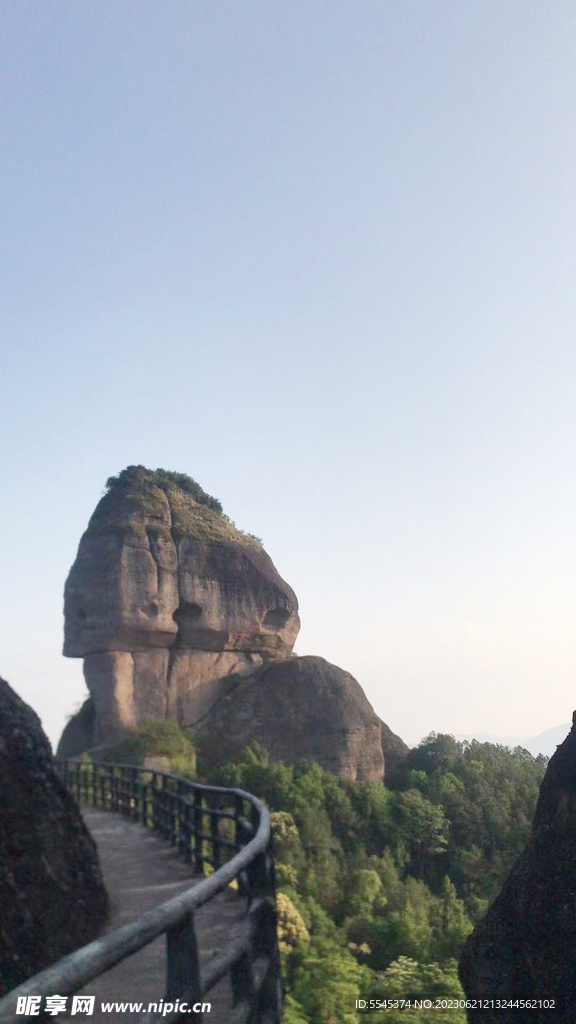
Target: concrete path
[(140, 871)]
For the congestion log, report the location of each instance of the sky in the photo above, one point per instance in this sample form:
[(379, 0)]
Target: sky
[(319, 255)]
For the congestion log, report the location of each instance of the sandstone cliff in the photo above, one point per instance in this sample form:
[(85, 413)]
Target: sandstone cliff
[(164, 597), (52, 899), (299, 708), (171, 607), (525, 946)]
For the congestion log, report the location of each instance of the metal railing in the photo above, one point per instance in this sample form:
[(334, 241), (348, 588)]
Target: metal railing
[(227, 829)]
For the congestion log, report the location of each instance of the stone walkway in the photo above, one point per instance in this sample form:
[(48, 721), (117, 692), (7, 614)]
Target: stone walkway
[(140, 871)]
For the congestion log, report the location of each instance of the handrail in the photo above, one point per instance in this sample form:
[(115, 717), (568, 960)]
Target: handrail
[(190, 815)]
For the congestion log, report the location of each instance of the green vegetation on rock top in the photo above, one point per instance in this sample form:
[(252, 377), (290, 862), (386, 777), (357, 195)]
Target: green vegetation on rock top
[(193, 512), (166, 480)]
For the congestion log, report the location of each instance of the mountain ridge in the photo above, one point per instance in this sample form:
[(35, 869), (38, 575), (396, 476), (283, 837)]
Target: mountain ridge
[(544, 743)]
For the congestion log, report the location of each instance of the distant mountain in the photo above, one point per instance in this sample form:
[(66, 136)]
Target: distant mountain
[(545, 743)]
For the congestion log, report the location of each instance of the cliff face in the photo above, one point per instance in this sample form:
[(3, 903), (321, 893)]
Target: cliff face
[(299, 708), (393, 748), (52, 899), (525, 946), (172, 608), (164, 597)]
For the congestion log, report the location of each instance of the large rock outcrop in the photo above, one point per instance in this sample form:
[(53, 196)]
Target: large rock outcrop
[(299, 708), (172, 607), (525, 946), (52, 898), (166, 596)]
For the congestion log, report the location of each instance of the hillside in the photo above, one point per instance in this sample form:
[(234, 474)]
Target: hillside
[(379, 885)]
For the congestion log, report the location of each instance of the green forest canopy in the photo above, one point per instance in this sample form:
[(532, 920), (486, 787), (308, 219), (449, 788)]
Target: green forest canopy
[(379, 885)]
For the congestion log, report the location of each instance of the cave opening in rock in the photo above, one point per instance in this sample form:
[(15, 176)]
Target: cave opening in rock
[(187, 612), (276, 618)]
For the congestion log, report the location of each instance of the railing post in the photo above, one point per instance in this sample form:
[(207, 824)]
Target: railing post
[(260, 879), (215, 835), (188, 833), (262, 903), (242, 981), (134, 799), (108, 783), (149, 798), (156, 805), (174, 809), (82, 782), (183, 976), (238, 814), (198, 862), (182, 820), (244, 833), (125, 791), (265, 947), (255, 977), (113, 790)]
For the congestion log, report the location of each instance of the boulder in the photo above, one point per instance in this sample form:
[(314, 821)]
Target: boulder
[(52, 899), (525, 946), (297, 708)]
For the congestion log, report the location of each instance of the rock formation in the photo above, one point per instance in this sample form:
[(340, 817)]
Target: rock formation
[(525, 946), (165, 596), (52, 899), (170, 606), (298, 708)]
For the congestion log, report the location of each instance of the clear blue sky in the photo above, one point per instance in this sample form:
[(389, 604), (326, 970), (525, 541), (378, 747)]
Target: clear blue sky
[(320, 256)]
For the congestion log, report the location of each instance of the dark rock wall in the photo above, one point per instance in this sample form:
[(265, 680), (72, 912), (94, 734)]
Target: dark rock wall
[(525, 946), (52, 898)]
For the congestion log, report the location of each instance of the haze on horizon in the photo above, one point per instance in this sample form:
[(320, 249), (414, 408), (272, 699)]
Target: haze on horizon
[(320, 257)]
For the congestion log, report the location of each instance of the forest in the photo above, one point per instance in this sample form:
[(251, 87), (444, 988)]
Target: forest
[(380, 884)]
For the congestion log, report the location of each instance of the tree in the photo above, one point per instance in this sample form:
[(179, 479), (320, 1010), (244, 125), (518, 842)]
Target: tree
[(424, 825), (405, 978), (365, 892), (327, 987), (453, 926), (292, 931)]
